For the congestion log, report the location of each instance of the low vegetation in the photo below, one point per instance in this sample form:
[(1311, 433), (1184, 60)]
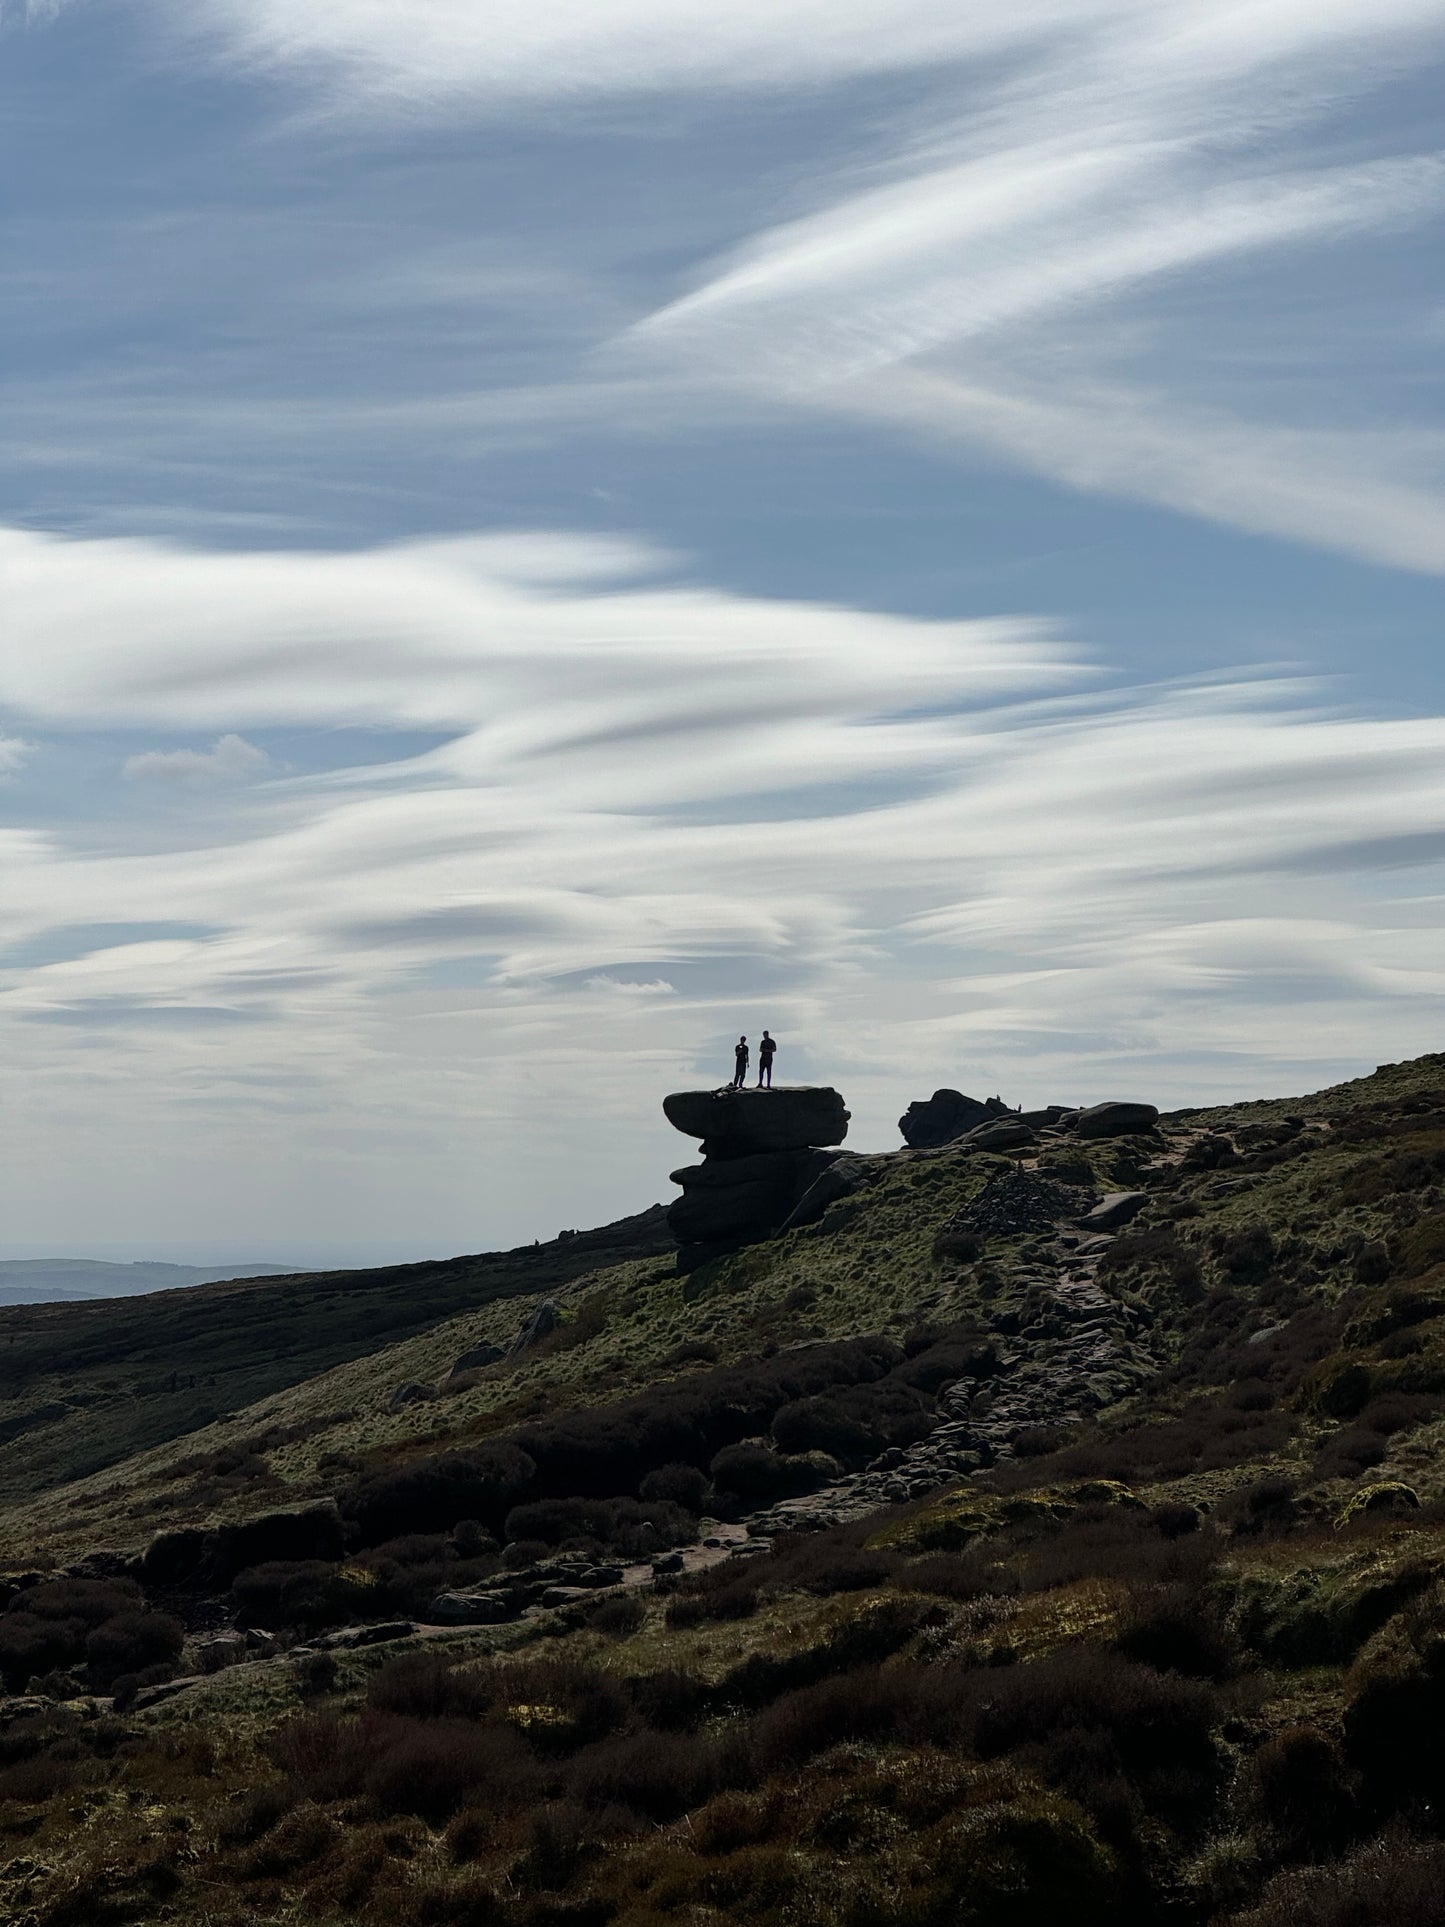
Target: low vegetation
[(1181, 1660)]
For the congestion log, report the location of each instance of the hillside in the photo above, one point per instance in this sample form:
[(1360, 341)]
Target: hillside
[(83, 1386), (1049, 1533)]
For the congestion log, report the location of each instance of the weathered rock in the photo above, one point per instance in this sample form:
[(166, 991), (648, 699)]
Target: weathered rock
[(840, 1178), (729, 1123), (999, 1134), (1113, 1120), (474, 1359), (348, 1638), (727, 1200), (931, 1121), (472, 1608), (409, 1392), (544, 1320), (166, 1689), (1115, 1209)]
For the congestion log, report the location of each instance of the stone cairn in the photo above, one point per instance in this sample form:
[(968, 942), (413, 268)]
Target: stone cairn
[(765, 1165)]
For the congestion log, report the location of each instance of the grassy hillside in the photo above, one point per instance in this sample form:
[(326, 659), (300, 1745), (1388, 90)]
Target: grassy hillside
[(949, 1561), (86, 1385)]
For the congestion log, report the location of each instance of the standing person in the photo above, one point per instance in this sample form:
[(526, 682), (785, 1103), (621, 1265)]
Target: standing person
[(765, 1061), (740, 1063)]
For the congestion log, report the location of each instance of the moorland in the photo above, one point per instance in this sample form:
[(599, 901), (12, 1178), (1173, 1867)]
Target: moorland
[(1045, 1533)]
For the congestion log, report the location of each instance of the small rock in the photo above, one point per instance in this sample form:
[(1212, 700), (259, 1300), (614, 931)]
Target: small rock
[(668, 1562), (471, 1608), (475, 1359), (409, 1392), (565, 1595), (1116, 1209), (347, 1638), (167, 1689)]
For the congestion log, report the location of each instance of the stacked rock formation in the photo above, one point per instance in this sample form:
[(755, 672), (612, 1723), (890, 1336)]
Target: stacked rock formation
[(764, 1161)]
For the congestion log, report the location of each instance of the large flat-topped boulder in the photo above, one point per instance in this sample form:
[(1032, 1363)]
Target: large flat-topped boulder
[(792, 1117)]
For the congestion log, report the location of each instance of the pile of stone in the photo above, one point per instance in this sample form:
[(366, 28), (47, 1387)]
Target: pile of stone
[(766, 1165)]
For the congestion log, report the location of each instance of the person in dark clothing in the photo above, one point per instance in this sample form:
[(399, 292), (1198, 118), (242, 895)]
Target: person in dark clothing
[(740, 1063), (765, 1061)]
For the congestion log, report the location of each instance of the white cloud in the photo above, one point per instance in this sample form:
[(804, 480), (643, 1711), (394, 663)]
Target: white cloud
[(13, 753), (1024, 278), (230, 759)]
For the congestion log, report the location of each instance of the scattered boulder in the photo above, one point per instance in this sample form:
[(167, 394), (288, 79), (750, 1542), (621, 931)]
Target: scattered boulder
[(738, 1123), (1117, 1208), (472, 1608), (544, 1320), (948, 1114), (409, 1392), (1112, 1120), (999, 1134), (474, 1359), (349, 1638)]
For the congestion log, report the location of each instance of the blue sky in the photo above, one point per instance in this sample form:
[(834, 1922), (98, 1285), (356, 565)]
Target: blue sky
[(536, 539)]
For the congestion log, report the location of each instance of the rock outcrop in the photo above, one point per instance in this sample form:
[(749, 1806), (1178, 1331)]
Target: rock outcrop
[(933, 1121), (764, 1154), (1112, 1120), (737, 1123)]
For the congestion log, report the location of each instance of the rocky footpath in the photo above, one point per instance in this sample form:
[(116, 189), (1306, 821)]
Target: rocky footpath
[(1063, 1348), (765, 1158)]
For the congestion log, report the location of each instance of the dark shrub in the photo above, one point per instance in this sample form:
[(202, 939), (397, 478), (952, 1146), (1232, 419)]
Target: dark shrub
[(131, 1643), (758, 1475), (1345, 1454), (684, 1485), (1392, 1728), (618, 1617), (1176, 1630), (304, 1593), (324, 1756), (1390, 1883), (31, 1645), (1155, 1730), (670, 1699), (1264, 1507), (854, 1424), (434, 1769), (719, 1592), (656, 1775), (1246, 1255), (873, 1705), (424, 1686), (1300, 1788), (432, 1495)]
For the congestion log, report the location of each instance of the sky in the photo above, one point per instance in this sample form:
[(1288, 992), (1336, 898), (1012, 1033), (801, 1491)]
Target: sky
[(534, 540)]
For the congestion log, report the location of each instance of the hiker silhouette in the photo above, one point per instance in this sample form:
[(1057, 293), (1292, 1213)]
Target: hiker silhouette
[(740, 1063), (766, 1048)]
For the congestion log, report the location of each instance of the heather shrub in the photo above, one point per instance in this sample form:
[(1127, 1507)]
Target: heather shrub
[(756, 1475), (306, 1594), (1389, 1883), (677, 1484), (1299, 1787), (133, 1642)]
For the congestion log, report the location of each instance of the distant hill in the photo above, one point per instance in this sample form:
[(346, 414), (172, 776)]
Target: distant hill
[(45, 1281)]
